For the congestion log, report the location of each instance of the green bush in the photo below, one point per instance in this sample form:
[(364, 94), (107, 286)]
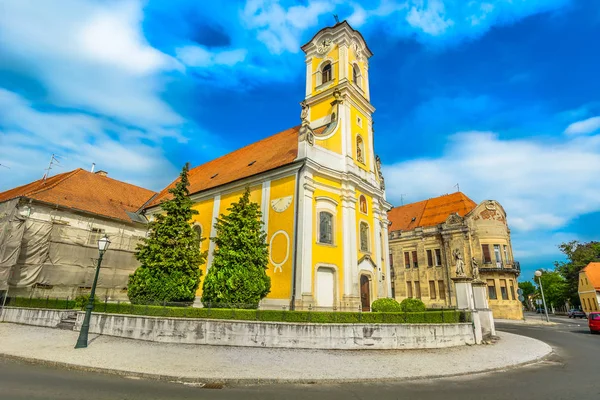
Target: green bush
[(82, 300), (412, 305), (385, 305), (321, 317)]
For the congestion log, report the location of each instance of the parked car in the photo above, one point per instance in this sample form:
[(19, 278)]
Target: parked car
[(594, 322), (576, 314)]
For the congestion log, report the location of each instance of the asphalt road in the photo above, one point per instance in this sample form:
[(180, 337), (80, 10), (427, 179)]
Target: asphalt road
[(572, 373)]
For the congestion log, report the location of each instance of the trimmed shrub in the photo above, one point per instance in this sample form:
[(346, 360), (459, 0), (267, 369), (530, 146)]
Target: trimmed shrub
[(319, 317), (412, 305), (385, 305)]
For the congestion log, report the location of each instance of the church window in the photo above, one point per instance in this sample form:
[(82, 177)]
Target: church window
[(325, 227), (198, 231), (326, 73), (364, 237), (363, 204), (356, 75), (360, 150)]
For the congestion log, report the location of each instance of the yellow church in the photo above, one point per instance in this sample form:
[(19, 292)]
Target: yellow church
[(319, 184)]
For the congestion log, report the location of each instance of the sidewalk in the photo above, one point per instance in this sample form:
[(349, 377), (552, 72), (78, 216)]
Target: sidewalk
[(245, 365)]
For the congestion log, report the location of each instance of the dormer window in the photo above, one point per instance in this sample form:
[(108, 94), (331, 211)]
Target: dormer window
[(356, 75), (326, 73)]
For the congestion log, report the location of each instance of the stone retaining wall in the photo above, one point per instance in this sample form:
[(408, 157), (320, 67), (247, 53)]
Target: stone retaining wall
[(280, 334), (34, 316)]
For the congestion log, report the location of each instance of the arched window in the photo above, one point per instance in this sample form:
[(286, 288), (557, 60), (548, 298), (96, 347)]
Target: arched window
[(325, 227), (364, 237), (356, 75), (198, 231), (360, 150), (326, 73), (363, 204)]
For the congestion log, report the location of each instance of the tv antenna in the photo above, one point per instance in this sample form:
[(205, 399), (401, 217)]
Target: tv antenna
[(53, 161), (402, 198), (337, 20), (457, 187)]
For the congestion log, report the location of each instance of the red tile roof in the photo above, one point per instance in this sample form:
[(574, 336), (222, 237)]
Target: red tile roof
[(85, 191), (267, 154), (429, 212), (592, 271)]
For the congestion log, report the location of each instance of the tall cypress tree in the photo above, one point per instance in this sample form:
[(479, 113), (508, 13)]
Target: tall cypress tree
[(170, 257), (237, 276)]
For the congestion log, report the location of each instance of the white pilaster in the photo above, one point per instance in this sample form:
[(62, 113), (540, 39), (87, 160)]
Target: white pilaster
[(213, 230), (366, 82), (264, 204), (305, 234), (350, 241), (343, 56), (387, 268), (347, 134), (308, 76)]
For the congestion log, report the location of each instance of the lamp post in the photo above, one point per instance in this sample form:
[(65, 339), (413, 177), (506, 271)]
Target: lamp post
[(82, 341), (538, 273)]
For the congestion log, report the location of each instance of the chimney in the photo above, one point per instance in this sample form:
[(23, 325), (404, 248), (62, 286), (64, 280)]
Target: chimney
[(93, 166), (101, 173)]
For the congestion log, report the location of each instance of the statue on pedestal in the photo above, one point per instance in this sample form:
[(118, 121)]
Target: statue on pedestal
[(460, 264), (475, 266)]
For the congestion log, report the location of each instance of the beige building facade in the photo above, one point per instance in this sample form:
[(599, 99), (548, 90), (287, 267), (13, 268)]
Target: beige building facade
[(428, 237)]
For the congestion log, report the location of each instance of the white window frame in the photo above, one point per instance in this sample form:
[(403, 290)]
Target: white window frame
[(326, 204), (368, 250)]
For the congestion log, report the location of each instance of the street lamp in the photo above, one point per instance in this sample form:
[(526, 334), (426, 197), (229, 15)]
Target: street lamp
[(82, 341), (538, 273)]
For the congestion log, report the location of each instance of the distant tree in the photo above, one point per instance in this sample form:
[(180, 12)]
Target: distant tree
[(238, 274), (555, 288), (528, 289), (170, 257), (578, 256)]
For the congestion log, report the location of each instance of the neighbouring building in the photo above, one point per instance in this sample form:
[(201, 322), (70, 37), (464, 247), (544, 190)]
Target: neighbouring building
[(589, 287), (319, 185), (49, 231), (425, 238)]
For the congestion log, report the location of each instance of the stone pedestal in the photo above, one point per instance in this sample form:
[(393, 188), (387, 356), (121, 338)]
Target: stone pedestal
[(481, 305), (464, 293)]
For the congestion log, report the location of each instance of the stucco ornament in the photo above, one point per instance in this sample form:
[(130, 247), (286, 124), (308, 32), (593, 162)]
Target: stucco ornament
[(460, 264), (358, 51), (306, 132), (490, 205), (379, 173), (475, 267), (324, 45), (454, 219)]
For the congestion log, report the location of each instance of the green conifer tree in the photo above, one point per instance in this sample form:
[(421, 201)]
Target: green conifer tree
[(170, 257), (237, 277)]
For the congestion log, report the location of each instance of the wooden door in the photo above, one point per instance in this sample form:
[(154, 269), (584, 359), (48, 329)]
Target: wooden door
[(365, 293)]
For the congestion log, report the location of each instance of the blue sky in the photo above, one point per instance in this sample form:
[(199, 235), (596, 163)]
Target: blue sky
[(502, 97)]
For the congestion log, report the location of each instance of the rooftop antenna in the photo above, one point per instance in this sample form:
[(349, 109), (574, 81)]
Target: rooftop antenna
[(457, 187), (337, 20), (402, 198), (53, 161), (5, 166)]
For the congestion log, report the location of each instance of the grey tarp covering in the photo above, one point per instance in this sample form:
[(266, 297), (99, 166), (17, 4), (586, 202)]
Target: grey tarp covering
[(11, 232), (54, 254)]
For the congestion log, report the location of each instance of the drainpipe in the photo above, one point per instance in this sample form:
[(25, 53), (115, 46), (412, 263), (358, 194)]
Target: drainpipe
[(295, 252)]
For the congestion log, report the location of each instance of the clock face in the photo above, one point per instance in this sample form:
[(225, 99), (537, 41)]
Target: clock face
[(281, 204)]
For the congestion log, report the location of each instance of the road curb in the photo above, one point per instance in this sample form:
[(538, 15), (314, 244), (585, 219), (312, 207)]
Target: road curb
[(231, 382)]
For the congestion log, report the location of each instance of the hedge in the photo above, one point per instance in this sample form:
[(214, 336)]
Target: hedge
[(339, 317)]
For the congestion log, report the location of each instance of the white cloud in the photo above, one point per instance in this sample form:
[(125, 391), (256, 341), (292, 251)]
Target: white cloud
[(28, 137), (198, 56), (542, 185), (589, 125), (280, 28), (90, 55), (430, 17)]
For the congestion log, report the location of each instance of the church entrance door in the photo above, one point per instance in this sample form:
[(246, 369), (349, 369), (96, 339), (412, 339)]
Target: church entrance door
[(365, 293)]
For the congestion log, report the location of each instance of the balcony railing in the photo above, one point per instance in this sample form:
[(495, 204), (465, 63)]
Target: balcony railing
[(511, 266)]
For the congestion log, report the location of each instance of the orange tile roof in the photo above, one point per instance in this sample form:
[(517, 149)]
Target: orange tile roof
[(85, 191), (592, 271), (429, 212), (267, 154)]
